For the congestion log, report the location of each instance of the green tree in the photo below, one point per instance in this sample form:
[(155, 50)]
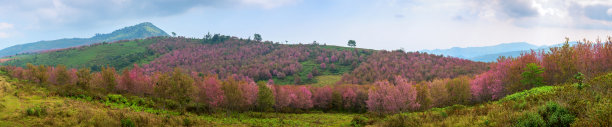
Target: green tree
[(265, 97), (207, 36), (179, 86), (532, 76), (83, 78), (423, 96), (234, 100), (61, 75), (109, 78), (352, 43), (580, 78), (38, 73), (257, 37), (173, 34)]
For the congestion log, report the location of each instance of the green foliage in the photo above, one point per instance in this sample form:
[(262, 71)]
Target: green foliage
[(423, 96), (532, 77), (530, 119), (178, 86), (402, 120), (538, 91), (360, 121), (555, 115), (459, 90), (352, 43), (257, 37), (83, 78), (187, 122), (580, 78), (127, 123), (109, 78), (265, 97), (549, 115), (36, 111), (61, 76), (233, 95), (38, 73), (116, 98)]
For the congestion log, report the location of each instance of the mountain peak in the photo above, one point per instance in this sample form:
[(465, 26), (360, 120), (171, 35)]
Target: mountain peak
[(138, 31)]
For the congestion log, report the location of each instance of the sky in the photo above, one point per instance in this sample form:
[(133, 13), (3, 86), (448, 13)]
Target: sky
[(375, 24)]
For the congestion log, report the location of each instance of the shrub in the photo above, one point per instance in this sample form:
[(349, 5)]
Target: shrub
[(198, 108), (187, 122), (550, 115), (116, 98), (359, 121), (530, 119), (532, 77), (127, 123), (37, 111), (555, 115), (402, 120)]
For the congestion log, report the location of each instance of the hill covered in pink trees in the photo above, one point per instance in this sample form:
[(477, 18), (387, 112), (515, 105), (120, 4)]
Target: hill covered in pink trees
[(239, 92)]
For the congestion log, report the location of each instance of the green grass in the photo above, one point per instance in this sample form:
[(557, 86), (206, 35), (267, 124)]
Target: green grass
[(118, 55), (279, 119), (328, 75), (326, 80), (538, 91)]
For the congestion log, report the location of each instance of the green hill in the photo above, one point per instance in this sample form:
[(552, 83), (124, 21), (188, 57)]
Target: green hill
[(142, 30), (118, 55)]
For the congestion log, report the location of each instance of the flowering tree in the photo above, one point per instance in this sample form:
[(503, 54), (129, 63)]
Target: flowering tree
[(385, 98), (322, 97)]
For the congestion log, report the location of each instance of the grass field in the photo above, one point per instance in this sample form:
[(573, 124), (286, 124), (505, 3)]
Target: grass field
[(118, 55), (20, 104)]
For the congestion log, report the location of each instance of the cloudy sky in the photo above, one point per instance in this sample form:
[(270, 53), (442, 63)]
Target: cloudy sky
[(376, 24)]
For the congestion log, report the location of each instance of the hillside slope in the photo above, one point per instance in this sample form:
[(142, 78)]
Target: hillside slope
[(581, 107), (142, 30), (224, 56), (118, 55)]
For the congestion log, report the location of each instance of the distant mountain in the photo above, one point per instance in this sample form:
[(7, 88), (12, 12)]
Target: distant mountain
[(142, 30), (493, 57), (486, 53)]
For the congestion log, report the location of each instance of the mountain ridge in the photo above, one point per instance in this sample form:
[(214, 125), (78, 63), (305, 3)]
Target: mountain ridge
[(141, 30), (486, 53)]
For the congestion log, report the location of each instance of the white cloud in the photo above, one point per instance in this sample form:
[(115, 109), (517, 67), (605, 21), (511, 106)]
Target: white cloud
[(4, 35), (609, 12), (4, 25), (269, 3)]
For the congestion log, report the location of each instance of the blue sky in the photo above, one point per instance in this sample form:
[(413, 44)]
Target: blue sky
[(377, 24)]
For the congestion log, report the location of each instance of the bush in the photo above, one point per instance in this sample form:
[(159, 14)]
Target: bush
[(37, 111), (530, 119), (555, 115), (187, 122), (402, 120), (550, 115), (359, 121), (198, 108), (127, 123), (116, 98)]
